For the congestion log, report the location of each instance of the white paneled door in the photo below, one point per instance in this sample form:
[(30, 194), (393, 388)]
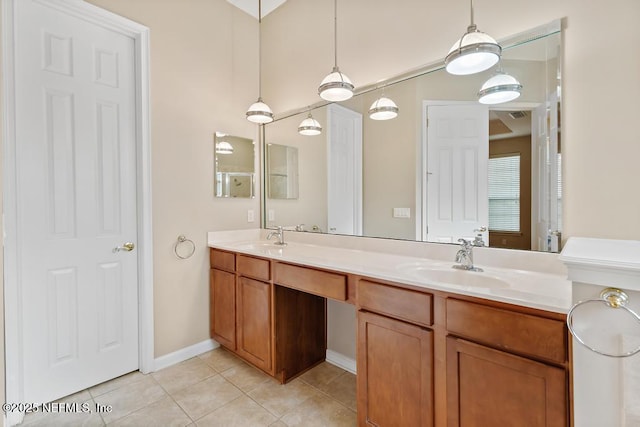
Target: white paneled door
[(457, 162), (76, 201), (344, 170)]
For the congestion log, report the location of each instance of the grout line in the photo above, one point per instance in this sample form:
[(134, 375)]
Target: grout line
[(329, 395), (220, 407), (243, 393)]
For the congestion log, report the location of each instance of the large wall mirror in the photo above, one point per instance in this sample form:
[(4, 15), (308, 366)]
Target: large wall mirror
[(446, 167), (234, 166)]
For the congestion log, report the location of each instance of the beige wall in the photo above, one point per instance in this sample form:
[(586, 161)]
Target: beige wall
[(203, 78), (389, 165), (599, 142)]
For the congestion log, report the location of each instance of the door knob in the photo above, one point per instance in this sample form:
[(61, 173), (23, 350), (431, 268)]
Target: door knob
[(128, 246)]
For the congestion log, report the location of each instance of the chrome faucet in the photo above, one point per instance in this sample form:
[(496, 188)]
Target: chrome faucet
[(478, 241), (279, 234), (464, 257)]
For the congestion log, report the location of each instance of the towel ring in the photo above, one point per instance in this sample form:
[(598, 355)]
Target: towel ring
[(182, 239), (613, 298)]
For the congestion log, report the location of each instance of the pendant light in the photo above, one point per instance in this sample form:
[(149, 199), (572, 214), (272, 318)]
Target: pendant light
[(336, 86), (259, 112), (501, 87), (309, 126), (473, 53), (383, 108)]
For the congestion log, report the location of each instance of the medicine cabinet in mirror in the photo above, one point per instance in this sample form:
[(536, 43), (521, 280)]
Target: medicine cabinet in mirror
[(234, 166), (428, 175), (282, 172)]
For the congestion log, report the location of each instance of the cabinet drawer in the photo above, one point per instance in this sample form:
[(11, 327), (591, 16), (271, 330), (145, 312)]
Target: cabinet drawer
[(222, 260), (322, 283), (254, 267), (405, 304), (508, 330)]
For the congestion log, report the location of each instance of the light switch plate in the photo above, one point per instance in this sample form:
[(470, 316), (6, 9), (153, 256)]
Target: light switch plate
[(402, 212)]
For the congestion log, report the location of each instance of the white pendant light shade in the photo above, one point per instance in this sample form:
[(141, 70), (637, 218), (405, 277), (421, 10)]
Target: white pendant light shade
[(259, 112), (223, 147), (309, 126), (383, 109), (473, 53), (500, 88), (336, 87)]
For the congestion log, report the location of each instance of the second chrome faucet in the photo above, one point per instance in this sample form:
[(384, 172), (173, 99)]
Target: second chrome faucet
[(279, 235)]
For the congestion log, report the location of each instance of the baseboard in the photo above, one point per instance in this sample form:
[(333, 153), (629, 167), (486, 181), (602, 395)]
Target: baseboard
[(184, 354), (341, 361)]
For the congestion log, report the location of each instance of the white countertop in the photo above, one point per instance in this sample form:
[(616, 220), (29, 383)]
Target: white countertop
[(541, 290), (604, 262)]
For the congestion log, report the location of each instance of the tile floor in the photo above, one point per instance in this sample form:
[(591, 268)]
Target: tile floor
[(215, 389)]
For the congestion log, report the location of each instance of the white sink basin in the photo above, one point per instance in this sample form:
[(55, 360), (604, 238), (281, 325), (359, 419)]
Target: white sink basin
[(265, 247), (467, 279)]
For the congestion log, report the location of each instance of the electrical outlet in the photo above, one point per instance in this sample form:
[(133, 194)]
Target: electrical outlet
[(251, 217), (271, 215)]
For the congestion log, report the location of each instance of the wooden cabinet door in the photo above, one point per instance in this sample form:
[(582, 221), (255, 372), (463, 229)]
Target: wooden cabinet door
[(395, 373), (487, 387), (254, 322), (222, 294)]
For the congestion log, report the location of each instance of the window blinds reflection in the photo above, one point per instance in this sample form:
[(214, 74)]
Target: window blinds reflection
[(504, 193)]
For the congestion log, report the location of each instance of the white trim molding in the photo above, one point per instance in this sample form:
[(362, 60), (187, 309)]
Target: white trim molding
[(603, 262), (185, 354), (341, 361), (140, 35)]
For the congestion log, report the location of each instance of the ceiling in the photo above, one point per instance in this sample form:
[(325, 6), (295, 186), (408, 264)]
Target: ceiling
[(251, 6), (503, 125)]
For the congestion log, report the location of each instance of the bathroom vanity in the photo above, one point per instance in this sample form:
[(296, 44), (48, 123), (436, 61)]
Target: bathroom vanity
[(435, 346)]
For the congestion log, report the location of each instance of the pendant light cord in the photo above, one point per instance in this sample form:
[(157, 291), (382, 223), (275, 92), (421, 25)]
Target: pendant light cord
[(260, 49), (335, 33), (470, 28)]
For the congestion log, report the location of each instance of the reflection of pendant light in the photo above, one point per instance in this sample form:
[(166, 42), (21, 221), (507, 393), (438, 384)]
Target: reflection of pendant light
[(223, 147), (500, 88), (336, 86), (259, 112), (473, 53), (309, 126), (383, 109)]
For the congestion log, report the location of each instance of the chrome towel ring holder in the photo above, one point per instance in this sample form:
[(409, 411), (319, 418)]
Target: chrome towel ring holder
[(182, 240), (612, 298)]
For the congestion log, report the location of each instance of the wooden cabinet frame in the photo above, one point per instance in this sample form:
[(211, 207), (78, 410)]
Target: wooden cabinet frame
[(278, 319)]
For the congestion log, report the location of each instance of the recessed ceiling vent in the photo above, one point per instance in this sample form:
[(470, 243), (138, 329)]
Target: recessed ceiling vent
[(518, 114)]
